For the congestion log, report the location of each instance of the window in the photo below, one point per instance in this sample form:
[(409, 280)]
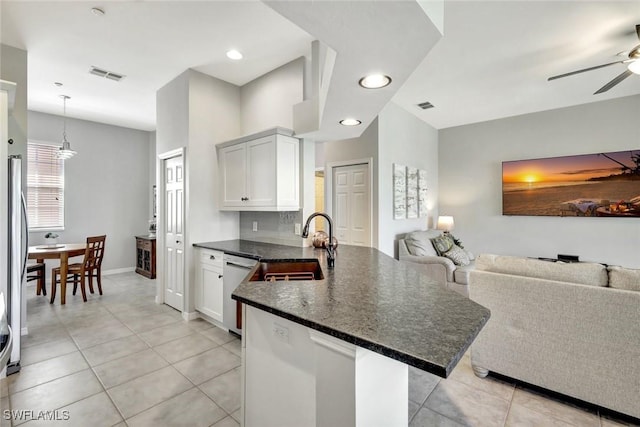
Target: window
[(45, 187)]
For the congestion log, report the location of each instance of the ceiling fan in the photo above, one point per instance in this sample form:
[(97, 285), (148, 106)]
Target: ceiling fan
[(633, 67)]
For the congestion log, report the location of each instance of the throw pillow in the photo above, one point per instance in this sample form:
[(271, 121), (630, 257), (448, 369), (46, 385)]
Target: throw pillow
[(455, 240), (442, 243), (624, 278), (458, 255), (419, 243)]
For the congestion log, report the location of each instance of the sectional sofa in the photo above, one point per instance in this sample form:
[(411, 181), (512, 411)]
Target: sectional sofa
[(573, 328)]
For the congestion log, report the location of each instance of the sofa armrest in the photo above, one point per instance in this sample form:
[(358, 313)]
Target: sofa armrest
[(438, 265)]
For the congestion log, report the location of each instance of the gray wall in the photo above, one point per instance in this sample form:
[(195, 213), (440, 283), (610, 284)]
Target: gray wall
[(363, 147), (267, 102), (197, 111), (172, 114), (366, 145), (214, 111), (406, 140), (107, 184), (470, 181)]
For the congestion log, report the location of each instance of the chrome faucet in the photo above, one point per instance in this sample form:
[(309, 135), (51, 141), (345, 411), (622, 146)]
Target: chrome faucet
[(331, 250)]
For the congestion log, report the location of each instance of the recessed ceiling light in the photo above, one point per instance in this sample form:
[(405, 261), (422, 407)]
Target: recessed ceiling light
[(97, 11), (234, 54), (350, 122), (374, 81)]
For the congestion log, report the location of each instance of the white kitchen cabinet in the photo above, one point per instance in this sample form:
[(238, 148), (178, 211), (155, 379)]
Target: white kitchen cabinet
[(209, 284), (260, 172)]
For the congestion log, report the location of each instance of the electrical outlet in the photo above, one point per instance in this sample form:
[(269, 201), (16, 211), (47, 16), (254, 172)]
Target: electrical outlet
[(281, 332), (297, 229), (255, 225)]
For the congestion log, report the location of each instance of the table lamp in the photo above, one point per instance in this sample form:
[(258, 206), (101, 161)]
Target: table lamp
[(445, 223)]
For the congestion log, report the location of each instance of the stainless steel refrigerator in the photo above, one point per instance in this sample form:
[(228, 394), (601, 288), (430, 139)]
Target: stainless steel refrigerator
[(17, 258)]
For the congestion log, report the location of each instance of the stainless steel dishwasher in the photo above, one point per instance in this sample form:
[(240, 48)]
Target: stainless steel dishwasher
[(235, 270)]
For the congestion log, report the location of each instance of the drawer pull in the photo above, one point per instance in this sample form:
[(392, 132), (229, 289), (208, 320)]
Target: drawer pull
[(212, 257), (219, 276)]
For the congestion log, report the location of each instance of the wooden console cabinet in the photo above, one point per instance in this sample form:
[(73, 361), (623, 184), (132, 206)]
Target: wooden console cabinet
[(146, 256)]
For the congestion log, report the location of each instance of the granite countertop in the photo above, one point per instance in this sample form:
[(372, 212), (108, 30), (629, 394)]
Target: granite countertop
[(369, 299)]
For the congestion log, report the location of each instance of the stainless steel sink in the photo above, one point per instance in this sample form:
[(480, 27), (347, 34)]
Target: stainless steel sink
[(270, 270)]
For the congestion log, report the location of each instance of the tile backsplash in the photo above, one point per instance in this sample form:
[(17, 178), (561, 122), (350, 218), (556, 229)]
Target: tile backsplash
[(273, 227)]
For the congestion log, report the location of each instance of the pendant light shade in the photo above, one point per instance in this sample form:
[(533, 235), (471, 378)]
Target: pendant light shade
[(65, 152)]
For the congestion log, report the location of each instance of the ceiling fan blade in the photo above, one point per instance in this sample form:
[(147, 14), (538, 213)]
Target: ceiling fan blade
[(614, 82), (559, 76)]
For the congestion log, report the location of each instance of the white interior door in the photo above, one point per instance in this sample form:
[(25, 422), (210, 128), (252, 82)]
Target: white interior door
[(174, 232), (351, 204)]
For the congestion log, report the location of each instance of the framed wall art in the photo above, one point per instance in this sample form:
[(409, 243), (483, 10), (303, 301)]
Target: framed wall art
[(597, 185), (399, 191), (412, 192)]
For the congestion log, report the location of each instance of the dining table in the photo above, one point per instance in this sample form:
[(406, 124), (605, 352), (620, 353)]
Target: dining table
[(63, 252)]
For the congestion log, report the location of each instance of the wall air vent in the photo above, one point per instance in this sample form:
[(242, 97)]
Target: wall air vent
[(107, 74), (425, 105)]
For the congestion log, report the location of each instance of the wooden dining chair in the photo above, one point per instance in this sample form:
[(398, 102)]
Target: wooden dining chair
[(96, 270), (87, 269), (36, 271)]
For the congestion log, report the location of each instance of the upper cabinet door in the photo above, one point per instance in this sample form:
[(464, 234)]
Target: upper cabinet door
[(261, 172), (233, 173)]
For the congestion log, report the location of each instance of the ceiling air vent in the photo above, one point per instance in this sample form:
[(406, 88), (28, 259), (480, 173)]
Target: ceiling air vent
[(107, 74), (425, 105)]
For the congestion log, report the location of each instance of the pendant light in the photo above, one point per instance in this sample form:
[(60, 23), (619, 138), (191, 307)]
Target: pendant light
[(65, 152)]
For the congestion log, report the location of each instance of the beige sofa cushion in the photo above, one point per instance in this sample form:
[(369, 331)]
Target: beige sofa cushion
[(419, 242), (624, 278), (583, 273)]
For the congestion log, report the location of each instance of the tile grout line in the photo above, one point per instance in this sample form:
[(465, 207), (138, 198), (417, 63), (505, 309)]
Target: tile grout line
[(104, 390), (137, 334)]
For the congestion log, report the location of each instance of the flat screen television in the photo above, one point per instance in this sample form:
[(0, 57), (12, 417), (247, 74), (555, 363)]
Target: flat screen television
[(596, 185)]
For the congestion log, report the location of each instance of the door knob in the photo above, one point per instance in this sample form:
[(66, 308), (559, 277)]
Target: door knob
[(178, 241)]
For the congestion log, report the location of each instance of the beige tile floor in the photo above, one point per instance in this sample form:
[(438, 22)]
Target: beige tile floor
[(122, 360)]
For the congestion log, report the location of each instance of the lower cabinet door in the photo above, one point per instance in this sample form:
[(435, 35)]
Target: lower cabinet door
[(209, 295)]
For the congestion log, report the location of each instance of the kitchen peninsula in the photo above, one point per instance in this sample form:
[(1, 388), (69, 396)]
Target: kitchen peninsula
[(335, 351)]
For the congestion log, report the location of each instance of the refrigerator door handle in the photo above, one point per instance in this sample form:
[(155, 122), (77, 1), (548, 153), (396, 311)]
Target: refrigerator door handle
[(25, 236)]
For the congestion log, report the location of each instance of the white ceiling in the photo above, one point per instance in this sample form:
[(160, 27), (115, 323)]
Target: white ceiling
[(492, 62), (495, 58), (150, 42)]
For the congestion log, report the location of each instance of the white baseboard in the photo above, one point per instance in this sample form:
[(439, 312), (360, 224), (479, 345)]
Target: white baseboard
[(212, 321), (118, 271), (190, 316)]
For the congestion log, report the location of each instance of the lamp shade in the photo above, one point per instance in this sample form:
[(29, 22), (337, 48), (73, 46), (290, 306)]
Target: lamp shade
[(65, 152), (634, 66), (445, 223)]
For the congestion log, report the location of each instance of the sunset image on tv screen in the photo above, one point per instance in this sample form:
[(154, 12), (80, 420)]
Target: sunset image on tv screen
[(600, 184)]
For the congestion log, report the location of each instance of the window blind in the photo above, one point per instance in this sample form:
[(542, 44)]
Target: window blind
[(45, 187)]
